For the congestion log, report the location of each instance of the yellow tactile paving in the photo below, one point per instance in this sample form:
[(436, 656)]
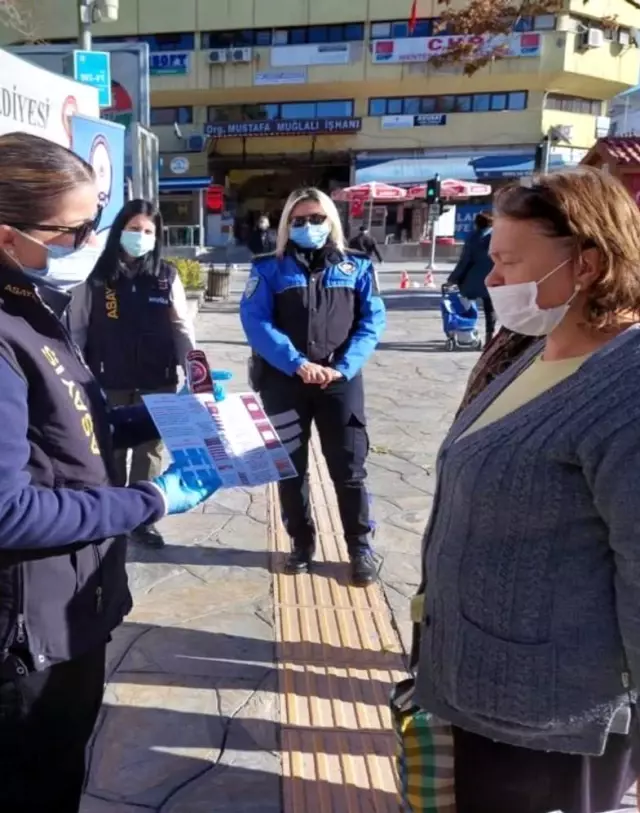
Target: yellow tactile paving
[(338, 656)]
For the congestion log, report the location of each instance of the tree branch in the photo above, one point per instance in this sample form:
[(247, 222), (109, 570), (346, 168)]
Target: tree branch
[(482, 26)]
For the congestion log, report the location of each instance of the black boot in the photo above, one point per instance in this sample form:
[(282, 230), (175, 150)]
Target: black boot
[(299, 561), (364, 569), (148, 535)]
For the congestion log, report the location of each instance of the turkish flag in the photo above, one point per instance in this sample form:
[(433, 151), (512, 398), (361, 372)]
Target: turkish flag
[(413, 17)]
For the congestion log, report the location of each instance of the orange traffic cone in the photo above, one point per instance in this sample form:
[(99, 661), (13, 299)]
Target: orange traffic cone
[(405, 282), (429, 281)]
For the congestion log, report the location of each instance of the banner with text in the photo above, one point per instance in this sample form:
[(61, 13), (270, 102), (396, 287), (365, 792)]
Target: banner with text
[(421, 49), (283, 127)]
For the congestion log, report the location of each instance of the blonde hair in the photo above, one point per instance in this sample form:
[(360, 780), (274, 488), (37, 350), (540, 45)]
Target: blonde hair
[(593, 210), (328, 207)]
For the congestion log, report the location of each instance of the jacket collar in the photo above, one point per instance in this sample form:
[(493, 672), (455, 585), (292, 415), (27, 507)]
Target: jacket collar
[(17, 286), (329, 254)]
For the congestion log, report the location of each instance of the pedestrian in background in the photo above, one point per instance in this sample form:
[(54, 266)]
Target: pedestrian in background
[(63, 583), (132, 322), (473, 267), (313, 316), (261, 240), (366, 243), (530, 632)]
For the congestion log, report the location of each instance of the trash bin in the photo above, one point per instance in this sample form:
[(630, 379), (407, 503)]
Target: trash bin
[(218, 283)]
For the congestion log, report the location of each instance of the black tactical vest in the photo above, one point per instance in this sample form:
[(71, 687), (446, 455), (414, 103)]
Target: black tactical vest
[(130, 340), (56, 604)]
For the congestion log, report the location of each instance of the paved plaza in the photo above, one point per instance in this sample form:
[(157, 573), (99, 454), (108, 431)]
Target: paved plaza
[(229, 676)]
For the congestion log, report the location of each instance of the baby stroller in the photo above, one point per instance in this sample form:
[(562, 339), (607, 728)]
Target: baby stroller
[(459, 320)]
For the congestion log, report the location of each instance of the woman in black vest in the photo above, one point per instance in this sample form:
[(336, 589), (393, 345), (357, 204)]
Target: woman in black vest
[(131, 322), (63, 583)]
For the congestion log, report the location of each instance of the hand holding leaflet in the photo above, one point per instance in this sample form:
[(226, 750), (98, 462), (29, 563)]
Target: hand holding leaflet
[(186, 489)]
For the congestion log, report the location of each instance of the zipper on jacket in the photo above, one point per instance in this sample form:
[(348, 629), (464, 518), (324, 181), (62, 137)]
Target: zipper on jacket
[(21, 635), (99, 596)]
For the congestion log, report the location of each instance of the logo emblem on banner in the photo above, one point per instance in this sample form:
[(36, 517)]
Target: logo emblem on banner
[(100, 160)]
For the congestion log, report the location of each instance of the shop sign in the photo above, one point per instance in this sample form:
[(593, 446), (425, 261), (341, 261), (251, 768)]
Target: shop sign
[(283, 127), (165, 63), (179, 165), (422, 120), (298, 77), (332, 53), (421, 49)]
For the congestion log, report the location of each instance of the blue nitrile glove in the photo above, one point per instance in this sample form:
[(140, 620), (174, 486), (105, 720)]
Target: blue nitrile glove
[(183, 490), (219, 392)]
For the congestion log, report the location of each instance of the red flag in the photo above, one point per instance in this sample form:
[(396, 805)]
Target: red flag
[(413, 18)]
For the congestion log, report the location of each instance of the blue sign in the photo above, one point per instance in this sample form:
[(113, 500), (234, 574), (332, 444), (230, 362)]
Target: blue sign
[(169, 62), (430, 120), (465, 217), (101, 144), (94, 68)]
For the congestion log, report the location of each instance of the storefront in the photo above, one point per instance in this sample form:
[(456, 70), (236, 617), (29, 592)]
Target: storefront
[(183, 185)]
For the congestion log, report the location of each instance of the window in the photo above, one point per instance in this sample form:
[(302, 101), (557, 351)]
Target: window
[(399, 29), (170, 115), (170, 42), (333, 108), (250, 37), (573, 104), (319, 34), (460, 103)]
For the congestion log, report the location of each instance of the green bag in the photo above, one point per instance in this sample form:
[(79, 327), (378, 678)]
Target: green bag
[(425, 755)]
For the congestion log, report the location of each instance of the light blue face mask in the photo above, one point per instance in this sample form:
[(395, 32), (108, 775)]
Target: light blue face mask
[(137, 243), (66, 267), (310, 235)]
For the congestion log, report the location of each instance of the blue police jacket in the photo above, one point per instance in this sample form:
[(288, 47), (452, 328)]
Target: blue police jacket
[(325, 309)]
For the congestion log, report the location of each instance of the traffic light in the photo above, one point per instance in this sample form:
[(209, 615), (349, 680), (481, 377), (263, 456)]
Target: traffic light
[(433, 190)]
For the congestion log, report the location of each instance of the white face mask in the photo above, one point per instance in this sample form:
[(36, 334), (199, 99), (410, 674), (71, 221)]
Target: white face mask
[(517, 308)]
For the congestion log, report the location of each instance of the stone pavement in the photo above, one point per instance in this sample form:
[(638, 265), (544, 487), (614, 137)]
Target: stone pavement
[(192, 721)]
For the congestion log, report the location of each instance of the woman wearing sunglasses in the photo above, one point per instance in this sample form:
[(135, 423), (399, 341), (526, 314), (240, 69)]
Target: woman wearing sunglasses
[(63, 584), (313, 316), (132, 323)]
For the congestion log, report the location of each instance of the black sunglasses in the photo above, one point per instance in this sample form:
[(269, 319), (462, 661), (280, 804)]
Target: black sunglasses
[(315, 220), (80, 233)]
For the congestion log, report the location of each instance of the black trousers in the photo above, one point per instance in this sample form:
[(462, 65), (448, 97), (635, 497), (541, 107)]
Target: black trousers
[(491, 777), (46, 721), (338, 413)]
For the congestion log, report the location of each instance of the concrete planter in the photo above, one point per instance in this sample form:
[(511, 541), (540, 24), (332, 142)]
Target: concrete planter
[(194, 302)]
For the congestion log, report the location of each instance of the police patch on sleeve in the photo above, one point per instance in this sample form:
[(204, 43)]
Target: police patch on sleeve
[(346, 267), (251, 287)]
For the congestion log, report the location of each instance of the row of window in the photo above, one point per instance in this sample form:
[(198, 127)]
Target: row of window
[(310, 34), (573, 104), (452, 103), (393, 106)]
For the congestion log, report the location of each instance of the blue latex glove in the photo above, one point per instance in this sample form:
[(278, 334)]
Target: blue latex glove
[(184, 490), (219, 392)]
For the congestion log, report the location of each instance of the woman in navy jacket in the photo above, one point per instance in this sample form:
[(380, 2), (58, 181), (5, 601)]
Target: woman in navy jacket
[(63, 583)]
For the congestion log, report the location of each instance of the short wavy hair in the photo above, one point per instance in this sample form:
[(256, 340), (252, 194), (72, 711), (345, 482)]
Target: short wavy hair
[(328, 207), (592, 209)]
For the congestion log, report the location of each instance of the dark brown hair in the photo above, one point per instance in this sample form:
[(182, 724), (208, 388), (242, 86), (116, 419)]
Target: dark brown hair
[(34, 175), (591, 209), (483, 220)]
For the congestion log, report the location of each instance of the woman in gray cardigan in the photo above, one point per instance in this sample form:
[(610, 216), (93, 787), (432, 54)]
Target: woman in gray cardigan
[(530, 640)]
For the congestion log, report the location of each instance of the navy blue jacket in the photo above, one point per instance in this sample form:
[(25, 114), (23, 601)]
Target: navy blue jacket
[(474, 265), (63, 584), (324, 309), (130, 342)]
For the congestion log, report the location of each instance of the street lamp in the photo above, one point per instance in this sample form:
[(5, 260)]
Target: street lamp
[(94, 11)]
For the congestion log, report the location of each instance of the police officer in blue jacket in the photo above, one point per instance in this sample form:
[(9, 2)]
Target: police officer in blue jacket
[(313, 316)]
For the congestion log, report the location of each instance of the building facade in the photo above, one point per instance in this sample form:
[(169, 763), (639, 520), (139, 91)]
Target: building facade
[(258, 97)]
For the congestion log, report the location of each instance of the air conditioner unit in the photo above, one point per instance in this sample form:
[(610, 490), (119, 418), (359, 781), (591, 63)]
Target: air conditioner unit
[(218, 57), (591, 38), (241, 54), (195, 143)]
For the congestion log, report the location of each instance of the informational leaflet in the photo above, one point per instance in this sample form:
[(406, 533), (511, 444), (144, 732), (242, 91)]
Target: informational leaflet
[(234, 437)]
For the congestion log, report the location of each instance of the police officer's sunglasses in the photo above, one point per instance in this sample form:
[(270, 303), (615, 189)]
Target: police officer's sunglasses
[(80, 233), (316, 219)]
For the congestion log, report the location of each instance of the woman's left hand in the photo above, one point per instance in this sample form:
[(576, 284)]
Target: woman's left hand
[(217, 376), (334, 376)]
